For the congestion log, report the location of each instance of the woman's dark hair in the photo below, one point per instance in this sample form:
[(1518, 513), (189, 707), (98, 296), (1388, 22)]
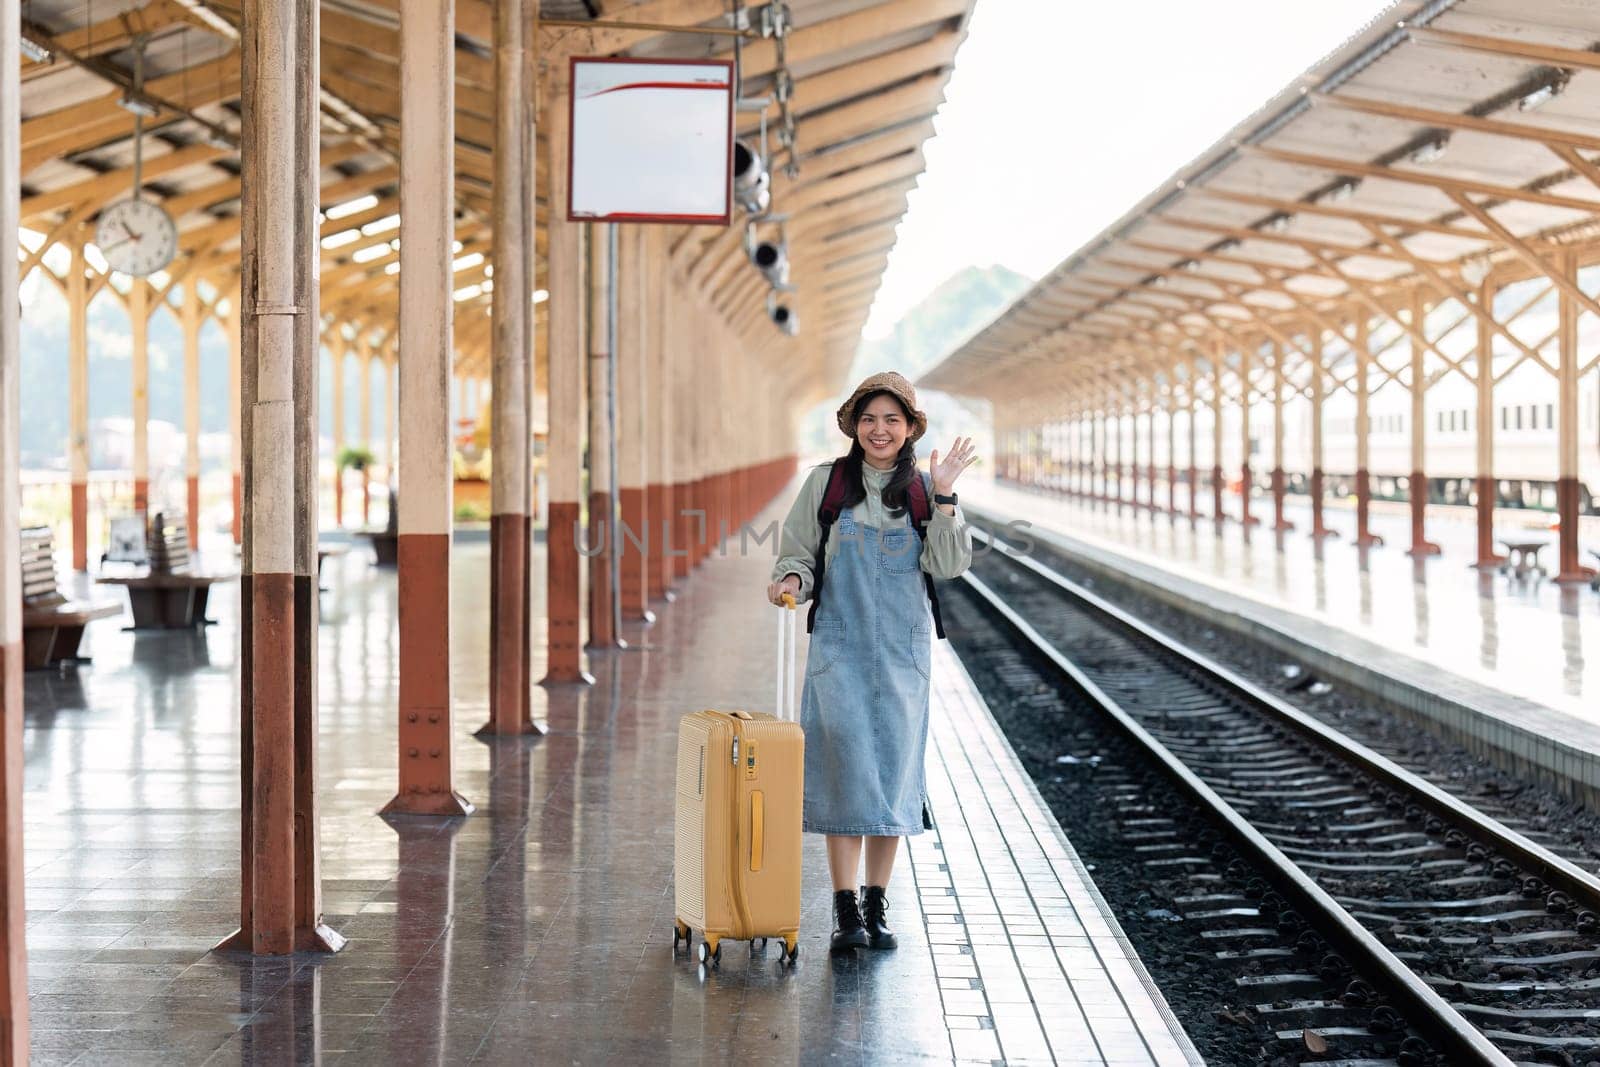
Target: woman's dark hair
[(905, 465)]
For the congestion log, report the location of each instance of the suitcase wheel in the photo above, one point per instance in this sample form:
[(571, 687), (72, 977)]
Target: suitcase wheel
[(758, 946), (681, 934), (791, 950), (709, 953)]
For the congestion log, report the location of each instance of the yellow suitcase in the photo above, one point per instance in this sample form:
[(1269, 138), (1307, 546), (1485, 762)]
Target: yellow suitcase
[(737, 851)]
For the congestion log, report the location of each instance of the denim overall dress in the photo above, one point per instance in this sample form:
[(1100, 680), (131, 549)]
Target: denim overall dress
[(864, 707)]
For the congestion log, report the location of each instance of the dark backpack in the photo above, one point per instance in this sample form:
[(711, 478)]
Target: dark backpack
[(833, 503)]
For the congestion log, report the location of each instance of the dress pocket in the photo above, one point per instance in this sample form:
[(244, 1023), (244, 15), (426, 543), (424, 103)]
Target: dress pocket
[(900, 550), (827, 643), (920, 648)]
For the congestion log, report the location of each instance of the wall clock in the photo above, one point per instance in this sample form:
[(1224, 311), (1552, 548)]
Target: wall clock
[(137, 237)]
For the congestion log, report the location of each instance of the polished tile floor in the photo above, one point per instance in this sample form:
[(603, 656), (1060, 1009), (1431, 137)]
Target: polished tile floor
[(539, 929), (1530, 638)]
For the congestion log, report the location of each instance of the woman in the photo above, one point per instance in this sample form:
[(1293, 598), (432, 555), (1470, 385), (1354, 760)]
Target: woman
[(865, 703)]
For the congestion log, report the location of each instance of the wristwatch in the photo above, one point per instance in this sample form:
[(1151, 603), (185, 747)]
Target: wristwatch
[(940, 498)]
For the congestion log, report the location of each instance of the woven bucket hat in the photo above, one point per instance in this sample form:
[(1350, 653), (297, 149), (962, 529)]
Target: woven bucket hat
[(884, 382)]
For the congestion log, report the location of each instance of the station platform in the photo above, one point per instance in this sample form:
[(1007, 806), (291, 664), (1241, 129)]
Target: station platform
[(1510, 663), (538, 929)]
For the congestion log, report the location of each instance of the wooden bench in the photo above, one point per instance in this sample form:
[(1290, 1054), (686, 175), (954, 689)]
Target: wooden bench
[(170, 594), (52, 625)]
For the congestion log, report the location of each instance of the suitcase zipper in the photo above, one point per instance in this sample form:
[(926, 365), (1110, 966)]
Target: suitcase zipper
[(736, 887)]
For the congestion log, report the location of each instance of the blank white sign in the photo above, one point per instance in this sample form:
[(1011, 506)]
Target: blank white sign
[(651, 141)]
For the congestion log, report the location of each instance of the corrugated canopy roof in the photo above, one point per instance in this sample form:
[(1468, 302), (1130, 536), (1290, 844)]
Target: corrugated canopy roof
[(1446, 140), (868, 76)]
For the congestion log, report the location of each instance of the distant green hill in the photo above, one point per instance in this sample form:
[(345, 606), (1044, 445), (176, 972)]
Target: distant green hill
[(923, 336)]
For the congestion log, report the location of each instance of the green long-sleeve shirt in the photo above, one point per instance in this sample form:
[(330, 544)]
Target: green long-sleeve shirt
[(946, 547)]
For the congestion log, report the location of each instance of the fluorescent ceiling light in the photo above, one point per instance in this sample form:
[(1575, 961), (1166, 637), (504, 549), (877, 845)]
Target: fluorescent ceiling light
[(1340, 191), (1431, 150), (370, 253), (1552, 88), (541, 295), (467, 261), (383, 225), (139, 106), (350, 207), (340, 239), (33, 51)]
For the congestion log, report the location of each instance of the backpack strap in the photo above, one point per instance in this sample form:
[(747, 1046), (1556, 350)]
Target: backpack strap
[(827, 515), (921, 513)]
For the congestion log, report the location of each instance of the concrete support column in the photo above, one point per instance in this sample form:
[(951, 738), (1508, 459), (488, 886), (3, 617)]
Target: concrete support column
[(1150, 448), (13, 947), (602, 439), (1279, 523), (139, 323), (191, 319), (1246, 475), (563, 455), (427, 223), (635, 426), (1217, 514), (280, 882), (1485, 481), (1133, 447), (233, 326), (1570, 569), (338, 350), (1365, 538), (78, 400), (1319, 383), (364, 431), (662, 416), (1194, 470), (391, 398), (511, 368), (1417, 487)]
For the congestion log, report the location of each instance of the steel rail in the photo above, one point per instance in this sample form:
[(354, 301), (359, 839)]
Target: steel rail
[(1433, 1016), (1559, 873)]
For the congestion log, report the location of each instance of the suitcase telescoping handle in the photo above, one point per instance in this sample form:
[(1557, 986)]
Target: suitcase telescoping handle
[(786, 652)]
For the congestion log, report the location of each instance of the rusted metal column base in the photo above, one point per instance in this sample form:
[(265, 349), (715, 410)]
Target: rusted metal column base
[(271, 785), (194, 512), (600, 534), (141, 494), (658, 505), (338, 497), (1487, 557), (1217, 513), (80, 526), (425, 773), (238, 514), (685, 525), (1417, 490), (1570, 569), (508, 644), (565, 662), (1365, 538), (1172, 490), (1194, 492), (637, 561), (1246, 487), (1279, 487), (13, 952), (311, 934), (1318, 530)]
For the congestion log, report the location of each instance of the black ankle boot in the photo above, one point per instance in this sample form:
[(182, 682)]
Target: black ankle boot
[(876, 905), (848, 933)]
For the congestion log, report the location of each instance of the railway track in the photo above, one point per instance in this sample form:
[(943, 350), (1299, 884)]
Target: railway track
[(1439, 919)]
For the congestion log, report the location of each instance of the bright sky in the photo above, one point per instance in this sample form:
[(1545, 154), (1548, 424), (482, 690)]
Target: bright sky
[(1062, 114)]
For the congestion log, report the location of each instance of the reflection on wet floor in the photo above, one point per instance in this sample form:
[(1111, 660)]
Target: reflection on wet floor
[(538, 929), (1531, 637)]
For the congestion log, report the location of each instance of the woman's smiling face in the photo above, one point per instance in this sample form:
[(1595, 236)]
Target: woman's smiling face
[(882, 429)]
